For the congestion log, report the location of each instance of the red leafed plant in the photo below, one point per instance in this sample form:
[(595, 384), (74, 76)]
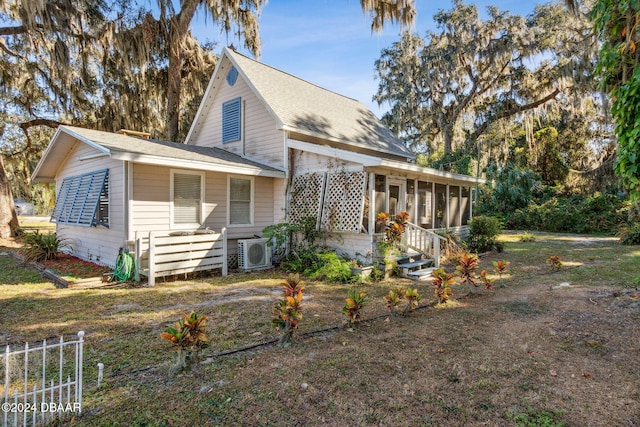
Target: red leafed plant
[(554, 262), (288, 311), (500, 267), (466, 268), (486, 280), (189, 336), (394, 227), (442, 282)]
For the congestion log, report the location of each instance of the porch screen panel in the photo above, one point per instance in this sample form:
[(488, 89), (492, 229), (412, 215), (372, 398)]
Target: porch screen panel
[(425, 204), (380, 189), (411, 199), (343, 203), (305, 197), (239, 201), (454, 206), (465, 201), (441, 206), (187, 192)]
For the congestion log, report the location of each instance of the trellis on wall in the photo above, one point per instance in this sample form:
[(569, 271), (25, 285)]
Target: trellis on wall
[(336, 198), (305, 197)]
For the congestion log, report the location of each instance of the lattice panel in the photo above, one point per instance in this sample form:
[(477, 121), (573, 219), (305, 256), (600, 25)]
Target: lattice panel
[(305, 197), (344, 201)]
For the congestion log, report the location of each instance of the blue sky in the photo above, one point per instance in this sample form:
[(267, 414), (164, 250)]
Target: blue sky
[(329, 42)]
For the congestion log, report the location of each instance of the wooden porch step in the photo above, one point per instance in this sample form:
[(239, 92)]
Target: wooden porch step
[(414, 266), (424, 274)]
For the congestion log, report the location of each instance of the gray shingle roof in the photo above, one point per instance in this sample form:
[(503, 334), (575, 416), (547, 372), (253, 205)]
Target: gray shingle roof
[(303, 107), (123, 146)]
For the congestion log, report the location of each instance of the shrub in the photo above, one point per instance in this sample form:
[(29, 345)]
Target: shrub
[(527, 237), (630, 234), (483, 233), (189, 336), (43, 247), (355, 302), (332, 269)]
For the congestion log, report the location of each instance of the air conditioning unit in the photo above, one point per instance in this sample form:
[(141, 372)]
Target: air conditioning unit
[(253, 254)]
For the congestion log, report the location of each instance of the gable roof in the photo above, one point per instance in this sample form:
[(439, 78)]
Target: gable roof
[(305, 108), (139, 150)]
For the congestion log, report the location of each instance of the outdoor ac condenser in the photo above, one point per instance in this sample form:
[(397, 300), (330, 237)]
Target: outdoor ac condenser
[(253, 254)]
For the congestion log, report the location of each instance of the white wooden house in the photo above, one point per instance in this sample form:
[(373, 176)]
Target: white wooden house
[(264, 147)]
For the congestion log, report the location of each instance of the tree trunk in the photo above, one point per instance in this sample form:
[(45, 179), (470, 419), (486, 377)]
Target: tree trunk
[(178, 29), (8, 219)]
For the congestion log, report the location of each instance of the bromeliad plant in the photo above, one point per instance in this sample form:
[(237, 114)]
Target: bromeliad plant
[(442, 282), (355, 302), (288, 311), (188, 336)]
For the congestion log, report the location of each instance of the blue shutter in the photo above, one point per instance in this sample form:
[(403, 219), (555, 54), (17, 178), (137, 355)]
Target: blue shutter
[(79, 197), (231, 120)]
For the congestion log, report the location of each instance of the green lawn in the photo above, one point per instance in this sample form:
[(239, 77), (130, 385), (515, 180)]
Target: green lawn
[(519, 351)]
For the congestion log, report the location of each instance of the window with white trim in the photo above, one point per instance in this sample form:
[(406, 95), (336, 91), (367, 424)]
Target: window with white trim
[(232, 120), (83, 200), (187, 189), (240, 194)]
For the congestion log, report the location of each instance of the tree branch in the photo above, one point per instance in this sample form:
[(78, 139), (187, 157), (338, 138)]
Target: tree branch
[(13, 31), (508, 113)]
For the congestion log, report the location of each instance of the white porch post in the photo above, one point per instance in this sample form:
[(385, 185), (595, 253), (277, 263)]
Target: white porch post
[(448, 222), (416, 199), (372, 203), (433, 205)]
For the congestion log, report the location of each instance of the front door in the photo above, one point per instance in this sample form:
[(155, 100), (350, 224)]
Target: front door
[(396, 196)]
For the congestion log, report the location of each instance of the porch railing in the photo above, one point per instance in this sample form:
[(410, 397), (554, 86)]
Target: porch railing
[(159, 254), (424, 241), (41, 382)]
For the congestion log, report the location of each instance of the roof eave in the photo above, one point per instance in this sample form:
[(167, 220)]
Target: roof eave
[(449, 176), (195, 164), (36, 177), (318, 135)]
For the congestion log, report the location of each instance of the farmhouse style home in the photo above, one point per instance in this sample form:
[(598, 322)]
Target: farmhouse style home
[(265, 147)]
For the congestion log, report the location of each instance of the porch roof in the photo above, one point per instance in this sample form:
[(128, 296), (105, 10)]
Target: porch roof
[(139, 150), (417, 171)]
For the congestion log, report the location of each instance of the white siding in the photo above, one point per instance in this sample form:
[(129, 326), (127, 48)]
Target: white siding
[(151, 205), (351, 244), (262, 141), (97, 244), (305, 162), (279, 200)]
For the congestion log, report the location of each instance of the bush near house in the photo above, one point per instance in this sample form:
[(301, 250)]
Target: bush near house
[(484, 231)]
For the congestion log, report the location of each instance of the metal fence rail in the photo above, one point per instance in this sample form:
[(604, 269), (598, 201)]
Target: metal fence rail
[(41, 382)]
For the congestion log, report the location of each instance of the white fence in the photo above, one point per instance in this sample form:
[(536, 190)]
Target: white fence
[(42, 382), (159, 254)]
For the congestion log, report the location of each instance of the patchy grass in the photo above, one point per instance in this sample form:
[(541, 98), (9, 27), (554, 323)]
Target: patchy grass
[(522, 354)]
